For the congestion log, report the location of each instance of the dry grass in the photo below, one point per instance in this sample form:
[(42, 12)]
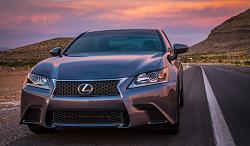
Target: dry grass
[(11, 80), (31, 54), (235, 58)]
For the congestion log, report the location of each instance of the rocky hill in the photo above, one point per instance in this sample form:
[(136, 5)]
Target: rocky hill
[(230, 36), (31, 54), (227, 43), (4, 48)]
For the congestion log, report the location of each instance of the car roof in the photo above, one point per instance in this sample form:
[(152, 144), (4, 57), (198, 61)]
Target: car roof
[(121, 31), (125, 29)]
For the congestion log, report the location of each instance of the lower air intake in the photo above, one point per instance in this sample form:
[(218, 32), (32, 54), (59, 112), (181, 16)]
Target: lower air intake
[(89, 117)]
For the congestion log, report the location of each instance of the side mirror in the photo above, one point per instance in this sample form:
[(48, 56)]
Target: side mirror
[(55, 51), (180, 48)]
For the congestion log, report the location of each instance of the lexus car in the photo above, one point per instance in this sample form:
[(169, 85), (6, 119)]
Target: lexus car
[(107, 78)]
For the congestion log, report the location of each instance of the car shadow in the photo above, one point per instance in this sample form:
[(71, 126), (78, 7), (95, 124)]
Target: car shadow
[(95, 136)]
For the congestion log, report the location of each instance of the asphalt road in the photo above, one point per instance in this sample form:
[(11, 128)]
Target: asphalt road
[(230, 86)]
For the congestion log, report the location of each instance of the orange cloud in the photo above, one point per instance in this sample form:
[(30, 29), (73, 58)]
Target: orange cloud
[(165, 9), (64, 17)]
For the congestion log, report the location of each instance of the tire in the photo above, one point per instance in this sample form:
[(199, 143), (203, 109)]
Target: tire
[(181, 98), (39, 129), (172, 128), (169, 128), (181, 93)]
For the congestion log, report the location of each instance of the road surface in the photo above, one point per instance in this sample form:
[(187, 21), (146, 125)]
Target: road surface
[(201, 121)]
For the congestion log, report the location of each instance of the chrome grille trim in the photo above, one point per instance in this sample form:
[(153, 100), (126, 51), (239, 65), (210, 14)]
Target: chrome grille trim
[(121, 80)]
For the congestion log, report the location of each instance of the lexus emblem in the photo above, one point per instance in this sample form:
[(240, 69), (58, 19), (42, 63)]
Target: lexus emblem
[(85, 89)]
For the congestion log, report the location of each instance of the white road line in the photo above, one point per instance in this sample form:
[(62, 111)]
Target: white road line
[(221, 132)]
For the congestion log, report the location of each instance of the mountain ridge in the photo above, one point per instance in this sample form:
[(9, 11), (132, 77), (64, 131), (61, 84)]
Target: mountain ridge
[(233, 34), (4, 48), (33, 53), (228, 42)]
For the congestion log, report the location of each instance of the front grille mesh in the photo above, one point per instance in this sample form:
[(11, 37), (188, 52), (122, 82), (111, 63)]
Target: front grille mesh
[(88, 117), (100, 88)]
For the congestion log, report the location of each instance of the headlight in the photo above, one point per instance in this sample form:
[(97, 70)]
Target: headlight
[(37, 81), (150, 78)]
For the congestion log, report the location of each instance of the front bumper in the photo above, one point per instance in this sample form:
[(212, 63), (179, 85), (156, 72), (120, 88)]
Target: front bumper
[(151, 104)]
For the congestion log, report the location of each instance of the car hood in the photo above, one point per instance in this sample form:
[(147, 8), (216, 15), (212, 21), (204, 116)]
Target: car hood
[(98, 66)]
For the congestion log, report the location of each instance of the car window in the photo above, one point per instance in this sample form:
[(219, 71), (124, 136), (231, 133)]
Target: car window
[(168, 45), (116, 42)]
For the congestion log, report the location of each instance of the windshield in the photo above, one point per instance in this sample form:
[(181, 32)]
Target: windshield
[(117, 42)]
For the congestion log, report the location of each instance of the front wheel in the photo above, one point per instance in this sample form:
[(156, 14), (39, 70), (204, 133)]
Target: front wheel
[(173, 128), (181, 98), (39, 129)]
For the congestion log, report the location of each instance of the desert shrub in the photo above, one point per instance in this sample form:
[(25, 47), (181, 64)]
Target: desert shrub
[(247, 63)]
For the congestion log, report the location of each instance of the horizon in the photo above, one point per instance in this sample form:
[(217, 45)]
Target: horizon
[(184, 21)]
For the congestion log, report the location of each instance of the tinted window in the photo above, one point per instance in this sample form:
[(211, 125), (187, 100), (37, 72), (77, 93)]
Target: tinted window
[(117, 41), (168, 45)]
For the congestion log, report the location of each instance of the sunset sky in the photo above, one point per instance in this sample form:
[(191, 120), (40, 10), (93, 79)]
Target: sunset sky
[(29, 21)]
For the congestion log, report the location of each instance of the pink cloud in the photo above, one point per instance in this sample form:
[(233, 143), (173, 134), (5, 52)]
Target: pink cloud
[(53, 18), (46, 19)]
